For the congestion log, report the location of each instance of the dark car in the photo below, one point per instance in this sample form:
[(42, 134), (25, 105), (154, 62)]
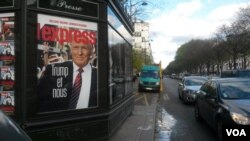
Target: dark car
[(10, 131), (189, 86), (224, 101)]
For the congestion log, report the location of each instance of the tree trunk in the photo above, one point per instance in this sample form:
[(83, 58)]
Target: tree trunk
[(244, 62), (218, 69), (234, 61), (208, 68)]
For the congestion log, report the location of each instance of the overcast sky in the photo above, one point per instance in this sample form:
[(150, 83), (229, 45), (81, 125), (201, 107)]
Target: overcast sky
[(175, 22)]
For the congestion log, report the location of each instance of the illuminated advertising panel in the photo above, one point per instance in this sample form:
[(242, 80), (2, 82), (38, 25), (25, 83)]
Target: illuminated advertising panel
[(67, 64)]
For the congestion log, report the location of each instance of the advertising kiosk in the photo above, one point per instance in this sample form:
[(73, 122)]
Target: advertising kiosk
[(65, 67)]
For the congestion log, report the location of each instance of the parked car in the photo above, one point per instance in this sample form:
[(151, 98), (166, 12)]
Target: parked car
[(224, 101), (188, 86), (235, 73), (10, 131)]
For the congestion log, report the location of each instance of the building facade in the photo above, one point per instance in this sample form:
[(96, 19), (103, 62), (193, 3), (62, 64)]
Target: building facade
[(141, 39), (38, 39)]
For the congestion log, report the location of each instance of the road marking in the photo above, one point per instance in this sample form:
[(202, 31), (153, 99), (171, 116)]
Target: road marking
[(143, 96), (165, 96), (146, 100)]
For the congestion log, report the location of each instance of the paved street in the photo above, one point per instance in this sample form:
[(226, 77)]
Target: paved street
[(163, 118), (176, 119)]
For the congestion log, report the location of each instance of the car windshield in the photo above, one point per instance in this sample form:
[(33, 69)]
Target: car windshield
[(235, 90), (195, 81), (150, 73)]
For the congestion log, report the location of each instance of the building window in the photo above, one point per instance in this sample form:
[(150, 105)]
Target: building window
[(143, 39), (137, 34), (120, 67)]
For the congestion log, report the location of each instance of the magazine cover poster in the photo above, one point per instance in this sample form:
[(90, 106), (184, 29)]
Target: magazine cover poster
[(6, 26), (7, 51), (7, 102), (6, 87), (66, 64), (7, 62), (7, 75)]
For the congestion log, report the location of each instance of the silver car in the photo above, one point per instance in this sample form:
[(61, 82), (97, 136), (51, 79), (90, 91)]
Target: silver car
[(189, 86)]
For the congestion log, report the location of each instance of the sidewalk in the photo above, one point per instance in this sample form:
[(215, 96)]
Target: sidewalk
[(140, 126)]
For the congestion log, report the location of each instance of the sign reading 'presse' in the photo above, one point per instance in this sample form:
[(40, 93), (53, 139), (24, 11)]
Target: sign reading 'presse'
[(79, 7)]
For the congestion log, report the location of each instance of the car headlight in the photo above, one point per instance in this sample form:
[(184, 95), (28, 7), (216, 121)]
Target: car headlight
[(157, 83), (239, 118)]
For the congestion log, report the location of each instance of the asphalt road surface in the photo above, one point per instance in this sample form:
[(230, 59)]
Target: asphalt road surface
[(176, 121)]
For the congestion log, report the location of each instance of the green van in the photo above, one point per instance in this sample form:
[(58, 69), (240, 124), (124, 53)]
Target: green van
[(150, 78)]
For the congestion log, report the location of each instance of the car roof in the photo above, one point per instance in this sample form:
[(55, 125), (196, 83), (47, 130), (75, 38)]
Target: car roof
[(10, 130), (190, 77), (235, 79), (236, 70), (150, 67)]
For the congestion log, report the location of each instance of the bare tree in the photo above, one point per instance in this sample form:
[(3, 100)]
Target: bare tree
[(243, 22)]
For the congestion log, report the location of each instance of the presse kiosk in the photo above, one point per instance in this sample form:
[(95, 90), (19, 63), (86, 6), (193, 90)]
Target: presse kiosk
[(36, 35)]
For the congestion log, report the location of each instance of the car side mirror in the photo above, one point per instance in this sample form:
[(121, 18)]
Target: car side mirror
[(198, 92), (203, 93), (180, 84)]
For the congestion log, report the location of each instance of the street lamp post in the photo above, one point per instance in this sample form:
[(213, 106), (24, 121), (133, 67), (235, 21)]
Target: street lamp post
[(131, 6)]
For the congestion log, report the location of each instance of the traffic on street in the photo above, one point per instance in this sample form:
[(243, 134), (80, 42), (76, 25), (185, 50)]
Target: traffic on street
[(175, 119)]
